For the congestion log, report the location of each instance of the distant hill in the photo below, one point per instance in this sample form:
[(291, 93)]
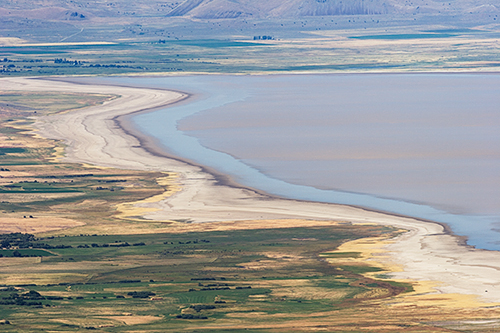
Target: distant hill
[(92, 10), (214, 9)]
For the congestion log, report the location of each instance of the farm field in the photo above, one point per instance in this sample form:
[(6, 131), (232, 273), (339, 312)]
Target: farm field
[(269, 280), (188, 279)]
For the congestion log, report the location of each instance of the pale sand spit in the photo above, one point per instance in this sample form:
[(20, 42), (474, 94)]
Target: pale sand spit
[(93, 136)]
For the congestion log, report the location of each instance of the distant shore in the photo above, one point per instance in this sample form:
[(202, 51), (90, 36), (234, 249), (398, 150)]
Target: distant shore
[(102, 135)]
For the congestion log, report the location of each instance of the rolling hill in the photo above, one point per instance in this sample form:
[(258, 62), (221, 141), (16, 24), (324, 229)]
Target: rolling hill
[(97, 10)]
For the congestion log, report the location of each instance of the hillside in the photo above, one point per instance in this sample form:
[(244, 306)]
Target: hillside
[(104, 37), (206, 9), (96, 10)]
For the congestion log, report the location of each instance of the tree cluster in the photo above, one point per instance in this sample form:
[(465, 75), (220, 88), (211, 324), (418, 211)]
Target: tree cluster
[(25, 241), (125, 244), (190, 316), (199, 307), (16, 239), (17, 254), (263, 38), (66, 61), (31, 298), (141, 294), (196, 241), (19, 240)]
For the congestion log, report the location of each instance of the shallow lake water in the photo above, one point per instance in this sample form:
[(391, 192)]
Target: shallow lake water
[(423, 145)]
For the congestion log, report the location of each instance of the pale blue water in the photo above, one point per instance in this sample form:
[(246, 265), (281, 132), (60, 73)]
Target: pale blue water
[(420, 145)]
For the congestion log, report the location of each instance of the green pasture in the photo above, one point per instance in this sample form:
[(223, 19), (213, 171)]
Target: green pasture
[(162, 274), (25, 253), (87, 187), (9, 150)]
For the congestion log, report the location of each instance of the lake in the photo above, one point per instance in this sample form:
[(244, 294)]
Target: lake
[(423, 145)]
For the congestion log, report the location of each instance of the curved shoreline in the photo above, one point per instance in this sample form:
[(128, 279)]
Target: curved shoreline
[(427, 251), (403, 174)]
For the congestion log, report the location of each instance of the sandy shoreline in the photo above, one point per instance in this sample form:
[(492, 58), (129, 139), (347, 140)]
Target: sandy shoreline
[(95, 136)]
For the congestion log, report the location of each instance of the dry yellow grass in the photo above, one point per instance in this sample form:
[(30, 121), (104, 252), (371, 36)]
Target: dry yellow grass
[(371, 252), (130, 227), (8, 262), (135, 320), (310, 293), (134, 210), (39, 278), (88, 322), (179, 227), (373, 293), (36, 225), (247, 314), (31, 196)]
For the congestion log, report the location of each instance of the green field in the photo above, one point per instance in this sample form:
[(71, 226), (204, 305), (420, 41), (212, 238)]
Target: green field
[(25, 253), (190, 278), (10, 150)]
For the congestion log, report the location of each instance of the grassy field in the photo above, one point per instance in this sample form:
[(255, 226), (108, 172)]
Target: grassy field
[(340, 45), (229, 280), (262, 280)]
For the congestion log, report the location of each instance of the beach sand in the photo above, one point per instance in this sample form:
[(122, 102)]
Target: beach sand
[(101, 135)]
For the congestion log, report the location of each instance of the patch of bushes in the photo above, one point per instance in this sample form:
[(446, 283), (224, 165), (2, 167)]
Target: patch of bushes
[(141, 294), (199, 307), (190, 316)]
